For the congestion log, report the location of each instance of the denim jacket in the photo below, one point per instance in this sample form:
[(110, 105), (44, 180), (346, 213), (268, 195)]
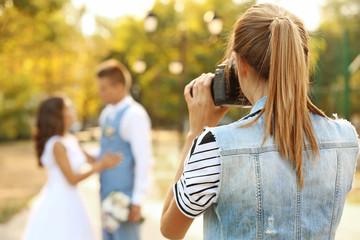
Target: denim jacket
[(259, 196)]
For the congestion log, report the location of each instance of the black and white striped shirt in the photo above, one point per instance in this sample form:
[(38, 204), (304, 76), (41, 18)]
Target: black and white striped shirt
[(197, 187)]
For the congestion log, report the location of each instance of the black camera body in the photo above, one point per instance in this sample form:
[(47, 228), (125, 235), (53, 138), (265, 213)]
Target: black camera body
[(225, 87)]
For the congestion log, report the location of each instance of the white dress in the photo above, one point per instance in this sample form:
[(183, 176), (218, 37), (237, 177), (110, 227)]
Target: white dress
[(59, 213)]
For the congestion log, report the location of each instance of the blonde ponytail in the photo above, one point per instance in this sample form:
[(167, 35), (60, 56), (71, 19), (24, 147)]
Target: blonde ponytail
[(275, 43), (288, 78)]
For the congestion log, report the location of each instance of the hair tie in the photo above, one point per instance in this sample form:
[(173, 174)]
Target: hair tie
[(280, 17)]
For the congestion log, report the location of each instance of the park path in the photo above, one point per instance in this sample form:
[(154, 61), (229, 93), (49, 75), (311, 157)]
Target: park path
[(349, 228)]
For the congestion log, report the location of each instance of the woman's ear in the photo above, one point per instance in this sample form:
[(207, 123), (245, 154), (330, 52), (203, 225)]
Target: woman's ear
[(241, 65)]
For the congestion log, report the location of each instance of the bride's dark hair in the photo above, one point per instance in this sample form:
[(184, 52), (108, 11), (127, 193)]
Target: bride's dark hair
[(49, 122)]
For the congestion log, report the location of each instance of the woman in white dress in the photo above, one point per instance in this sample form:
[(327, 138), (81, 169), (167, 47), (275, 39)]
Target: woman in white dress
[(59, 213)]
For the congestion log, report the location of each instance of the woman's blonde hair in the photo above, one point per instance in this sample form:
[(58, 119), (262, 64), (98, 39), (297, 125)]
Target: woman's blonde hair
[(274, 42)]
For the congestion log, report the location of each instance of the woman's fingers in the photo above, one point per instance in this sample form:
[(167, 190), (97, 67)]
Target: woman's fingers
[(187, 90), (197, 86), (202, 111), (191, 89), (207, 86), (198, 91), (208, 80), (118, 157)]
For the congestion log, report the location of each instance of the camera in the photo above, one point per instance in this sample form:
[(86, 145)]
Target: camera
[(225, 87)]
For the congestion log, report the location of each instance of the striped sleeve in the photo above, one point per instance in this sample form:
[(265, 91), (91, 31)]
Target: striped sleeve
[(197, 187)]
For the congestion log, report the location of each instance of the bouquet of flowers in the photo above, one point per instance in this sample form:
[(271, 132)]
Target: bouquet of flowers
[(115, 210)]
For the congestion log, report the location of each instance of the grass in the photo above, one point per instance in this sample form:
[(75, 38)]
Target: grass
[(20, 178), (10, 208)]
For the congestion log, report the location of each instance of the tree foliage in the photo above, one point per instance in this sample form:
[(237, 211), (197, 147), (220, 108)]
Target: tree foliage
[(43, 51), (339, 17), (41, 54)]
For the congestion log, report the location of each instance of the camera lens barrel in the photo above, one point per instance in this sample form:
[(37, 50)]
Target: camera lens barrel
[(225, 87)]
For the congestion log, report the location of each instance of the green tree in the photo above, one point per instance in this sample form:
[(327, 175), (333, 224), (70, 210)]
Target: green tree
[(339, 17), (42, 53)]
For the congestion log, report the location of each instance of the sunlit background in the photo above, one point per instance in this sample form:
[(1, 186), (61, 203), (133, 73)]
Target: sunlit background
[(307, 10), (51, 46)]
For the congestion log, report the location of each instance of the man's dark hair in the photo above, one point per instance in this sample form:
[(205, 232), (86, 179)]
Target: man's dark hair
[(115, 72)]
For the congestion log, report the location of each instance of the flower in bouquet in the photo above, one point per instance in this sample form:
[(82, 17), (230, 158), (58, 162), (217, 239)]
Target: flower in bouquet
[(115, 210), (109, 222)]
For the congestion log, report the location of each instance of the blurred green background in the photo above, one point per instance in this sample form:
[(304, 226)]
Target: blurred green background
[(43, 50)]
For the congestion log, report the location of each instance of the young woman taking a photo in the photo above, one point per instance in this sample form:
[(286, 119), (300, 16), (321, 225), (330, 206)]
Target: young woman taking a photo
[(281, 172)]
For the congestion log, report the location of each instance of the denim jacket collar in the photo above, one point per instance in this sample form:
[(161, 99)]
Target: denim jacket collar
[(258, 105)]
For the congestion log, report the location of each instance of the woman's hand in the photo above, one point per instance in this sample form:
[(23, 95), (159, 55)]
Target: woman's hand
[(110, 160), (202, 110)]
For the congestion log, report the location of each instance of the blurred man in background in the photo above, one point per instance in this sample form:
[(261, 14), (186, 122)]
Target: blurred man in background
[(126, 129)]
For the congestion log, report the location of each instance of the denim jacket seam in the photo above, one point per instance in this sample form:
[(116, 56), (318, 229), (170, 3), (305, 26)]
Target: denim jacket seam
[(259, 219), (336, 197), (273, 148), (219, 191), (298, 214)]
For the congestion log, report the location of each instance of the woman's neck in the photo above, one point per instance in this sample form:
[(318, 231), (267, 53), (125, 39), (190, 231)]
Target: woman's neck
[(259, 91), (66, 132)]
